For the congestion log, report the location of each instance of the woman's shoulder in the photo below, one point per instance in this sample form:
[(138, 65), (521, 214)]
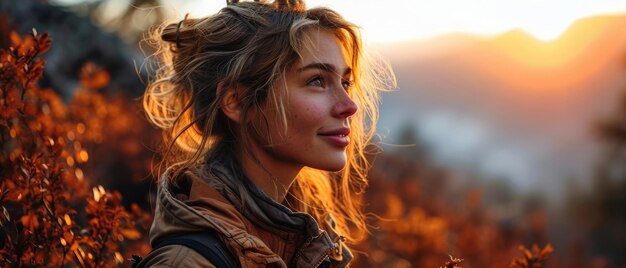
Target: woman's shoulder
[(175, 256)]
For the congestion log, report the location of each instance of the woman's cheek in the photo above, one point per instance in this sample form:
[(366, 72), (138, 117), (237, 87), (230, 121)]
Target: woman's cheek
[(310, 110)]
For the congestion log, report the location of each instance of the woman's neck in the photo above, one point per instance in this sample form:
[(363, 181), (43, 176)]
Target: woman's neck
[(272, 176)]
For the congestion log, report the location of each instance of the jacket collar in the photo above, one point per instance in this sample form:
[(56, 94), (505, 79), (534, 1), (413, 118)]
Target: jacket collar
[(174, 216), (258, 206)]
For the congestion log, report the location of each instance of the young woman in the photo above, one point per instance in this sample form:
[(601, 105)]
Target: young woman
[(267, 109)]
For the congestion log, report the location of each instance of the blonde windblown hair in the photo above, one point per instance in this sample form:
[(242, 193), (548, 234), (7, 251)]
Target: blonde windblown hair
[(253, 44)]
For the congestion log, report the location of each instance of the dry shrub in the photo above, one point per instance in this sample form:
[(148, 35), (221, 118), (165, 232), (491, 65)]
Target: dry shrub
[(532, 259), (51, 214), (452, 263), (418, 221)]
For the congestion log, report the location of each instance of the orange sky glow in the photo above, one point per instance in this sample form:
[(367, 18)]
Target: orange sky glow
[(402, 20)]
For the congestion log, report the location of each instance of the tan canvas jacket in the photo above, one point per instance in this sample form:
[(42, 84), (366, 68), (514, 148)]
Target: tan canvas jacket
[(284, 239)]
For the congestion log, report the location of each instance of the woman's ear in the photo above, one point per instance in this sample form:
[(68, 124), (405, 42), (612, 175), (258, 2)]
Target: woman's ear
[(229, 103)]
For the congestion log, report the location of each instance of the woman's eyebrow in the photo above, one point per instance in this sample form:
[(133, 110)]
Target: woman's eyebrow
[(324, 67)]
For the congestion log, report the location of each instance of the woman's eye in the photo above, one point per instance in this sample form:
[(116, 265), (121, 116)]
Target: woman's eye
[(347, 84), (316, 82)]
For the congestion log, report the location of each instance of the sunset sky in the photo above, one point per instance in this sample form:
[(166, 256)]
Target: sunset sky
[(388, 21)]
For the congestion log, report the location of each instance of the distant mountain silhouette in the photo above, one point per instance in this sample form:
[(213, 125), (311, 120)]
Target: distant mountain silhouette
[(532, 101)]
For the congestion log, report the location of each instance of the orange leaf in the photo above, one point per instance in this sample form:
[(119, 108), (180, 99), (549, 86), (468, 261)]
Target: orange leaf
[(25, 220), (15, 39), (68, 220), (131, 234), (547, 250)]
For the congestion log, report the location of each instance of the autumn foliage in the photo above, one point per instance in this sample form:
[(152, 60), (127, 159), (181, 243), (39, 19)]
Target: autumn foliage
[(417, 222), (52, 215), (534, 258)]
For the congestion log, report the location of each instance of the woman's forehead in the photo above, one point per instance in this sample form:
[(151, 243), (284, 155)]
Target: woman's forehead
[(325, 49)]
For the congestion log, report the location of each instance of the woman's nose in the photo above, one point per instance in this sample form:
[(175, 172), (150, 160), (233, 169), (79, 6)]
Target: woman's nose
[(345, 106)]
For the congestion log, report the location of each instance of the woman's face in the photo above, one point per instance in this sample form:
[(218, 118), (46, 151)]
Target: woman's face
[(318, 107)]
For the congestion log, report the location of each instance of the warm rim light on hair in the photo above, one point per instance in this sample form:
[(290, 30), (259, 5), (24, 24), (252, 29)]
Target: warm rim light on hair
[(182, 99)]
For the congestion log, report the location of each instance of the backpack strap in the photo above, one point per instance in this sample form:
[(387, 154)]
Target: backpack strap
[(205, 243)]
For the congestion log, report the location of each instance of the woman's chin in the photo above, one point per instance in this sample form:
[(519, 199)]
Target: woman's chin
[(332, 165)]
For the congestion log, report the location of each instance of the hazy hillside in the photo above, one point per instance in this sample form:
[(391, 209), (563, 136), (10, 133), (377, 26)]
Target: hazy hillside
[(511, 105)]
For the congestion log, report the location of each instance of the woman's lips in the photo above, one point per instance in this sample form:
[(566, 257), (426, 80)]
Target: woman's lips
[(338, 137), (336, 140)]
